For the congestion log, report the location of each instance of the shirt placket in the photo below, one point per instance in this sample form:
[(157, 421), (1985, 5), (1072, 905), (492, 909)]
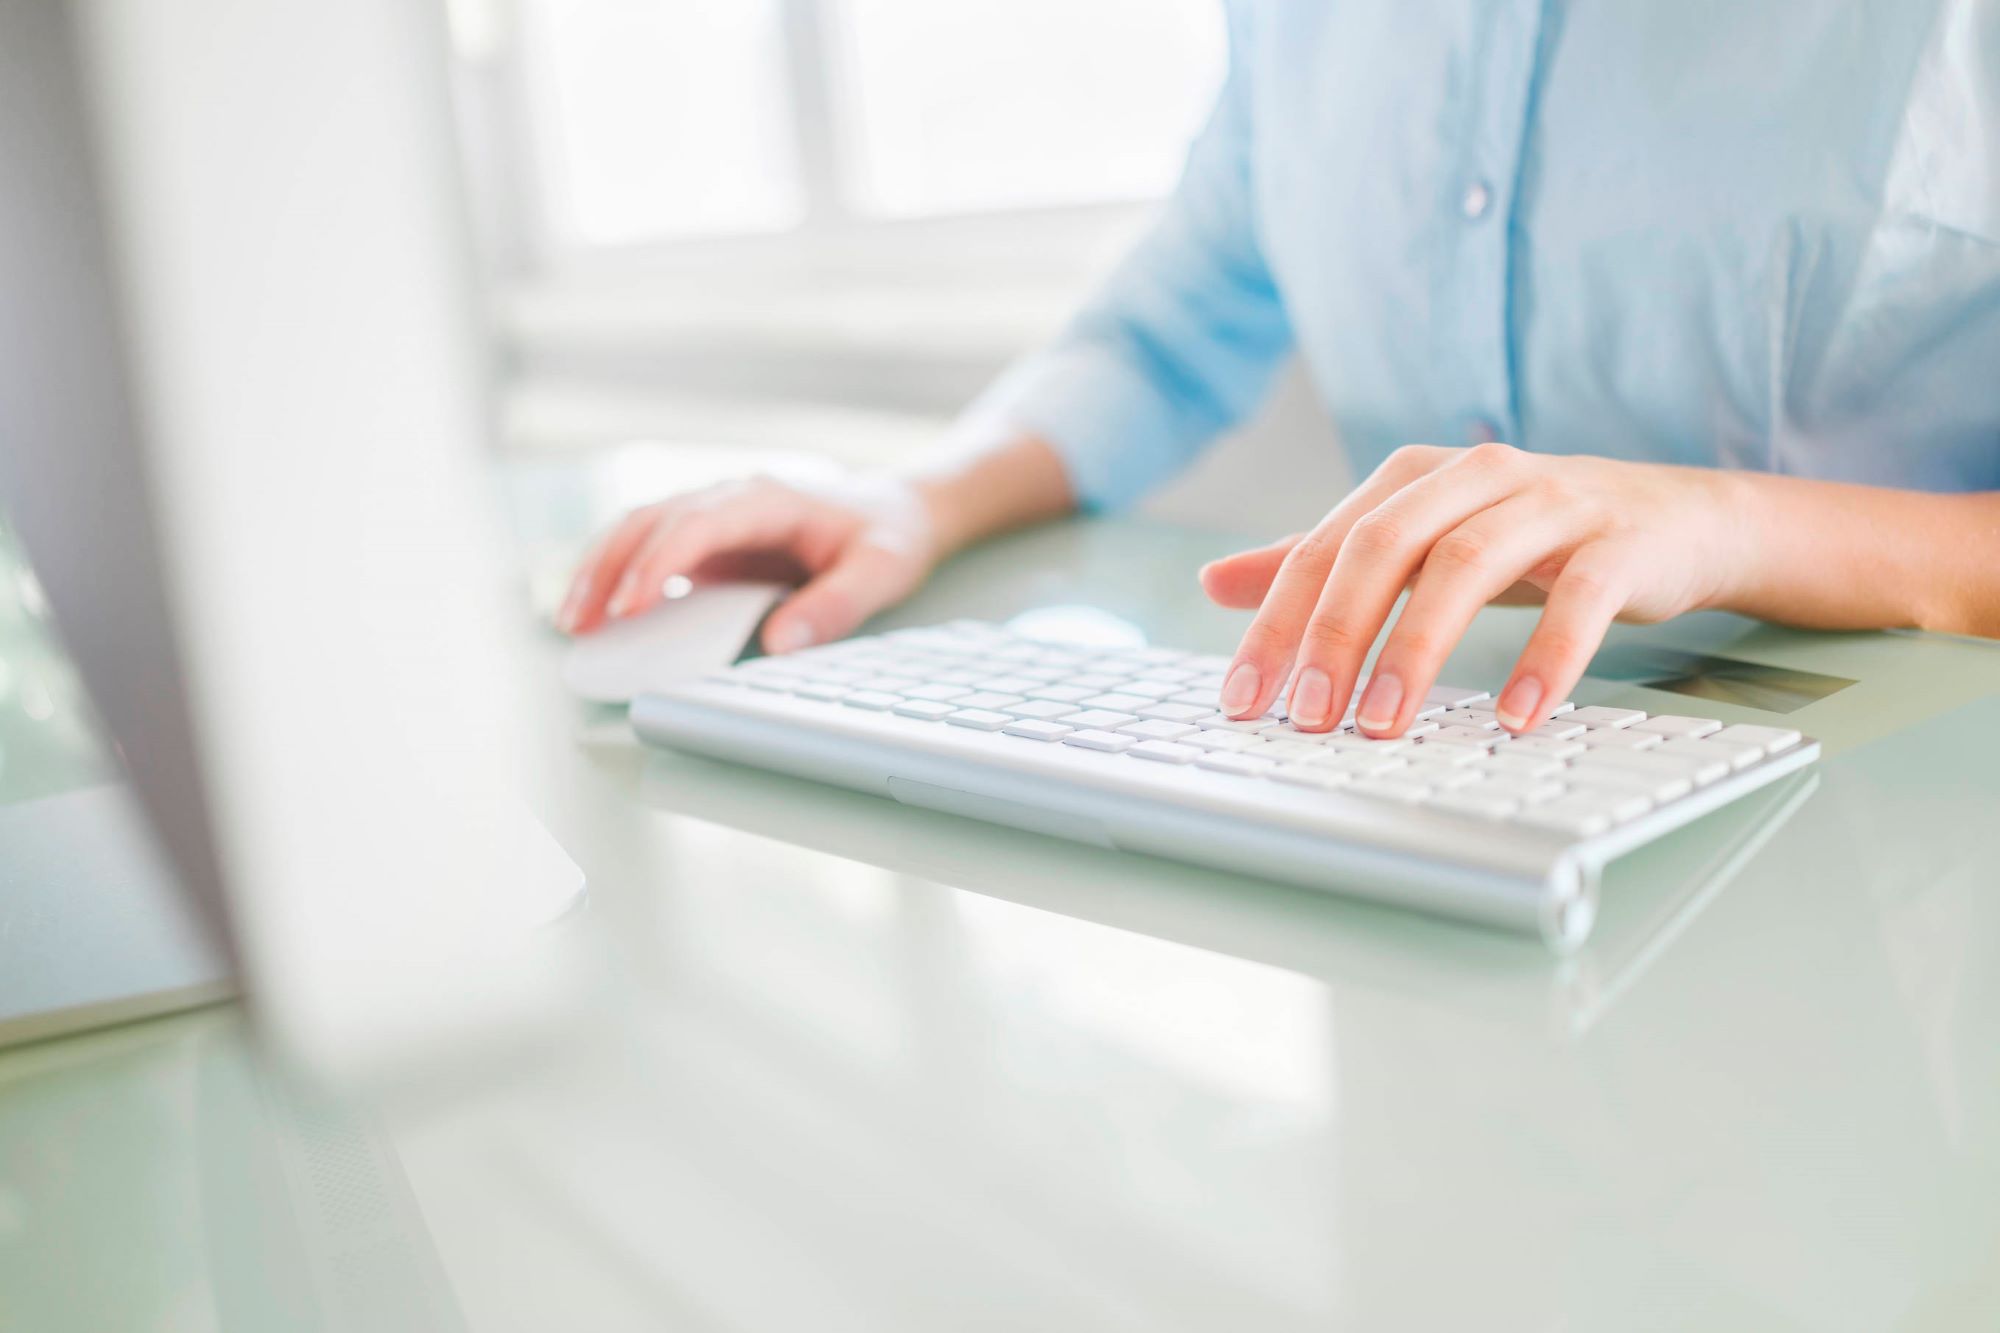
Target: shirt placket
[(1479, 203)]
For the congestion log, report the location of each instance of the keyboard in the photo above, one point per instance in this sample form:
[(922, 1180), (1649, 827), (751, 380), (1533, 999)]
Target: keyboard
[(1123, 747)]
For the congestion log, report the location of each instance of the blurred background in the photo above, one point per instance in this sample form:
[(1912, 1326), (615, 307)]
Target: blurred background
[(786, 235)]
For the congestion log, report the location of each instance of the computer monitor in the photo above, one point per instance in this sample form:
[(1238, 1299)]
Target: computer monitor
[(241, 420)]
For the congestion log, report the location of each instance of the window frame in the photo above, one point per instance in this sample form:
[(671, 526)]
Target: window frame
[(526, 244)]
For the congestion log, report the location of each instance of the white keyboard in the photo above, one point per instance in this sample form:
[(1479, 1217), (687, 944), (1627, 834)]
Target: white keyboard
[(1123, 747)]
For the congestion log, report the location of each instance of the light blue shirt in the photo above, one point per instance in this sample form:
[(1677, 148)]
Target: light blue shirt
[(1756, 233)]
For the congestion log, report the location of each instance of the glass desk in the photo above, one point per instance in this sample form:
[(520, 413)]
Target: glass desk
[(866, 1067)]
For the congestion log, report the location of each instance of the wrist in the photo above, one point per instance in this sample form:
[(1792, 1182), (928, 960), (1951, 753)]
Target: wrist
[(1740, 530)]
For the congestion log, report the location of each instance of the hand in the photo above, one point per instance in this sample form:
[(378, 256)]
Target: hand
[(860, 548), (1596, 539)]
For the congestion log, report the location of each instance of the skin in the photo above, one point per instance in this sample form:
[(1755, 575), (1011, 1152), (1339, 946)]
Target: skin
[(1592, 540)]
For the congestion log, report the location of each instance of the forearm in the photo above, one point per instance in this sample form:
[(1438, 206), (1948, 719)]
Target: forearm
[(1828, 555), (989, 486)]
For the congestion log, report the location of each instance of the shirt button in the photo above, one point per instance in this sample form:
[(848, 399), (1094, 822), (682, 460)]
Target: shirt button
[(1477, 200)]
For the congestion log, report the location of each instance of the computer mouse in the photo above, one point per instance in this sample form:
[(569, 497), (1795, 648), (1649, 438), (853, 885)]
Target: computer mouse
[(703, 628)]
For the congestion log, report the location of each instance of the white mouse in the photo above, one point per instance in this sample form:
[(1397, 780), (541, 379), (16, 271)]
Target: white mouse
[(705, 628)]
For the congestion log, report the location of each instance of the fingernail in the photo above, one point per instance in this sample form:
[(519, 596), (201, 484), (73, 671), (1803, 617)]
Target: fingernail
[(1518, 702), (1239, 691), (790, 635), (1380, 704), (1312, 696), (621, 601)]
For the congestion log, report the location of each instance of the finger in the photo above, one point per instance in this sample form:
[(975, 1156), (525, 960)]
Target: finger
[(1382, 554), (599, 572), (1240, 581), (1263, 658), (866, 578), (1470, 566), (1588, 595), (751, 518)]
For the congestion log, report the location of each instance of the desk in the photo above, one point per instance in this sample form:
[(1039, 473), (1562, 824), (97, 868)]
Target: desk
[(879, 1069)]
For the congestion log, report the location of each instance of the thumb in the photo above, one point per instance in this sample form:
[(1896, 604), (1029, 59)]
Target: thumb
[(1241, 580), (861, 582)]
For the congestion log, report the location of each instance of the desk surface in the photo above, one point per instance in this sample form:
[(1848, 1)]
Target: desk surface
[(873, 1068)]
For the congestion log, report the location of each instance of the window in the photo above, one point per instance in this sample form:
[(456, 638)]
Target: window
[(954, 106), (659, 118), (651, 121)]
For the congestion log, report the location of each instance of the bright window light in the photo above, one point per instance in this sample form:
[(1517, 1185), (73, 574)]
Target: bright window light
[(956, 106), (657, 119)]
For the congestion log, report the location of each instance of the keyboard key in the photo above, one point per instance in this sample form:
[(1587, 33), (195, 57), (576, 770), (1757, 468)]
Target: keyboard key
[(1450, 697), (1174, 712), (1734, 756), (1037, 731), (935, 692), (1441, 777), (1010, 684), (979, 719), (1109, 741), (872, 700), (989, 699), (1543, 746), (1224, 723), (1672, 724), (1103, 719), (1165, 752), (1356, 742), (1118, 702), (1770, 740), (1064, 694), (1158, 731), (1287, 749), (923, 709), (1649, 762), (1473, 801), (1358, 765), (824, 693), (1286, 731), (1557, 729), (1611, 738), (1522, 791), (1307, 775), (1242, 765), (1584, 775), (1458, 735), (1584, 815), (1606, 717), (1233, 741), (883, 683), (1513, 764), (1390, 789), (1151, 689), (1041, 709), (1430, 752), (1097, 683)]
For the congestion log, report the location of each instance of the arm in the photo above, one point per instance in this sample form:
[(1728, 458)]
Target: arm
[(1830, 556), (1180, 343), (1598, 540)]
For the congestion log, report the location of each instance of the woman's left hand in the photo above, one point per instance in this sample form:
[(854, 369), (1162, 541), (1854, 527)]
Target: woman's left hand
[(1597, 540)]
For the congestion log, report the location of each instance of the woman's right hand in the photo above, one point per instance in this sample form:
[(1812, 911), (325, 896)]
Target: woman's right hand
[(859, 547)]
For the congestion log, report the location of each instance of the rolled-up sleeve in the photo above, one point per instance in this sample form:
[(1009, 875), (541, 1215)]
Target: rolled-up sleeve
[(1181, 342)]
